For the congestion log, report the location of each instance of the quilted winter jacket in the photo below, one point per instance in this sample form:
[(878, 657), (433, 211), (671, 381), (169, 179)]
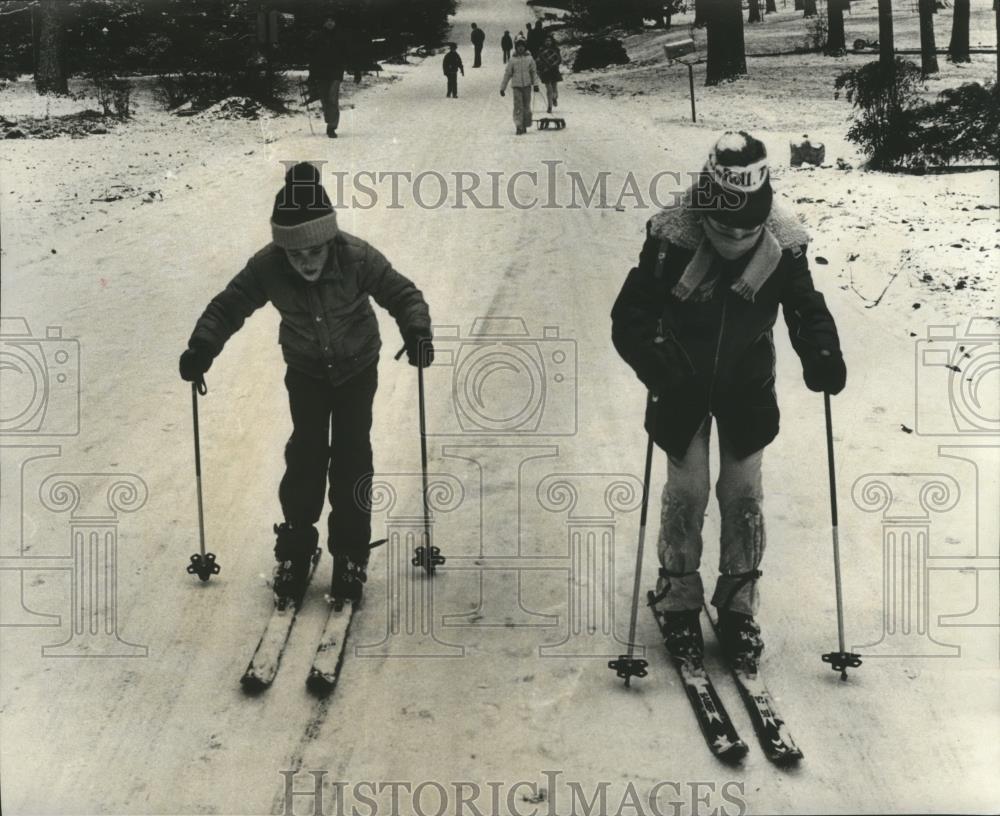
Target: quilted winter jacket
[(328, 328), (520, 72), (717, 354)]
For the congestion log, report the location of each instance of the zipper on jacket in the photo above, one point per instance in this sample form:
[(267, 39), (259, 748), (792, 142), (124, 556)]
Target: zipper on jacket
[(718, 349)]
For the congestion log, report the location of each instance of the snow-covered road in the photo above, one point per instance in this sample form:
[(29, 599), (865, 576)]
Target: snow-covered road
[(513, 684)]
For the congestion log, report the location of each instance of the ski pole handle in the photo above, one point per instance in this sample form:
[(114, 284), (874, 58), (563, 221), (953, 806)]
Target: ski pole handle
[(829, 458)]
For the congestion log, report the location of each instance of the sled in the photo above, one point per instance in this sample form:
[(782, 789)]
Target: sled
[(551, 122)]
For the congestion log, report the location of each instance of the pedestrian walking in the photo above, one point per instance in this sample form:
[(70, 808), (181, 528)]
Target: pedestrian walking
[(478, 37), (520, 73), (506, 45), (548, 61)]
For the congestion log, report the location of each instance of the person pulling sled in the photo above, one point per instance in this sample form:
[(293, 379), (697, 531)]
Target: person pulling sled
[(320, 279), (694, 320)]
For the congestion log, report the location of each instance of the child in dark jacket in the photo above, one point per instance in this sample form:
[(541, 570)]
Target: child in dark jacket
[(451, 65), (320, 279), (694, 320)]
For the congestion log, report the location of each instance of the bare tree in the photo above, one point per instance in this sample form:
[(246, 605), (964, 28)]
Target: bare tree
[(809, 8), (928, 50), (835, 41), (770, 7), (755, 15), (958, 48), (886, 44), (726, 57)]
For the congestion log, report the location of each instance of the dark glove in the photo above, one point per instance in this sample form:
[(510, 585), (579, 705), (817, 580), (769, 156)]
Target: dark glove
[(503, 93), (537, 89), (419, 348), (825, 372), (660, 369), (195, 361)]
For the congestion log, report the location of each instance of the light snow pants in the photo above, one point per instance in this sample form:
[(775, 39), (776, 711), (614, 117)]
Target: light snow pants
[(330, 100), (685, 499), (522, 107)]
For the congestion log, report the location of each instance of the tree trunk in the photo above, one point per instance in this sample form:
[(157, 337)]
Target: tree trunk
[(702, 12), (928, 50), (886, 45), (958, 48), (755, 15), (726, 48), (835, 42), (809, 8), (50, 74), (770, 7)]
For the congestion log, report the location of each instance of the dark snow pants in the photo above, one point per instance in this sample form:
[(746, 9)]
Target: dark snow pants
[(330, 99), (685, 499), (452, 85), (331, 427)]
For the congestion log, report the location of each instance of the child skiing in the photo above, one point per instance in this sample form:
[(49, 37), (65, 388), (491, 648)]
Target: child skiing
[(694, 320), (451, 66), (320, 279), (522, 75)]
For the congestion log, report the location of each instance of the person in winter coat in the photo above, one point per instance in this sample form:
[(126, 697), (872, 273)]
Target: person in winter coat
[(451, 66), (329, 58), (506, 45), (548, 61), (478, 37), (320, 279), (522, 75), (694, 320), (535, 37)]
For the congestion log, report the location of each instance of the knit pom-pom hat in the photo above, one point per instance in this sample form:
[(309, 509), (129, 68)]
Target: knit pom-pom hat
[(302, 216), (734, 187)]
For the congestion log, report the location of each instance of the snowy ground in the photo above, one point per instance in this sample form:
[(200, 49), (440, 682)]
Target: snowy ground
[(167, 730)]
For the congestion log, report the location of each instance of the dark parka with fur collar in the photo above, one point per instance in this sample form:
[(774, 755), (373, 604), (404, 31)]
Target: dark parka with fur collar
[(716, 355)]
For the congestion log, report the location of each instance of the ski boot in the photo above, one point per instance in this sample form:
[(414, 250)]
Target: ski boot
[(350, 572), (739, 635), (295, 551), (682, 635)]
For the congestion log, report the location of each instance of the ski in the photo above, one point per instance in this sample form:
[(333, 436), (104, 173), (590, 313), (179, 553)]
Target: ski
[(713, 719), (325, 669), (772, 733), (263, 666), (329, 657)]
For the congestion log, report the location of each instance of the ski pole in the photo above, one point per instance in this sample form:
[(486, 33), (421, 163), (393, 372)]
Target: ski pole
[(842, 660), (305, 91), (627, 665), (426, 555), (203, 564)]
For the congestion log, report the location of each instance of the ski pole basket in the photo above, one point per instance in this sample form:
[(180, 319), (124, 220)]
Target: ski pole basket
[(203, 564)]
